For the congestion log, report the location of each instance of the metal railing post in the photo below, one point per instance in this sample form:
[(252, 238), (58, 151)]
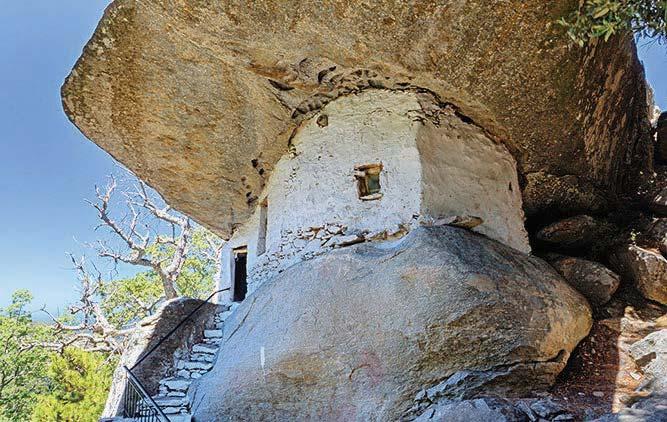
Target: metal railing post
[(138, 403)]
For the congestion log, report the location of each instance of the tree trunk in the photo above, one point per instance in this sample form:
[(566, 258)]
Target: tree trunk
[(169, 290)]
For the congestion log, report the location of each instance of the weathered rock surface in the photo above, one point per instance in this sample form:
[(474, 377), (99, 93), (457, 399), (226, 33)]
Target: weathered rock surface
[(492, 409), (661, 138), (657, 235), (355, 334), (200, 100), (650, 409), (148, 333), (593, 280), (573, 232), (650, 353), (561, 195), (646, 268), (478, 410), (659, 203)]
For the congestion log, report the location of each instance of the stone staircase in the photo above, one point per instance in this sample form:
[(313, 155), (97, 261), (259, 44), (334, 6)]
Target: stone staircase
[(173, 396)]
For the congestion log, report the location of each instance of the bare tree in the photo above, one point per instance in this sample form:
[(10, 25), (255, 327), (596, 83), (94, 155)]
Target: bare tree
[(138, 236), (149, 234), (93, 332)]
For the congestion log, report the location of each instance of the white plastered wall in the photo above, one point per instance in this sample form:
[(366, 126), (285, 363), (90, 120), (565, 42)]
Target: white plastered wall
[(465, 172), (428, 172)]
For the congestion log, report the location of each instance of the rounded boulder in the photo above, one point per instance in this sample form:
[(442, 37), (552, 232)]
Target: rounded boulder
[(356, 334)]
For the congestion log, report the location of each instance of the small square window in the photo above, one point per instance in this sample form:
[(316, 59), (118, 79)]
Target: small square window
[(368, 181)]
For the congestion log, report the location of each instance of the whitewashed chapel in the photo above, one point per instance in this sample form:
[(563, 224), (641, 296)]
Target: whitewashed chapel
[(370, 167)]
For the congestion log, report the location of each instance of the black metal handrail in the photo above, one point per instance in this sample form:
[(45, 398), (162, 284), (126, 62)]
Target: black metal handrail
[(138, 404), (173, 330)]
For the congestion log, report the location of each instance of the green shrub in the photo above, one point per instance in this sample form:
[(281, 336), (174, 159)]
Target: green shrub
[(80, 383), (604, 18), (22, 361)]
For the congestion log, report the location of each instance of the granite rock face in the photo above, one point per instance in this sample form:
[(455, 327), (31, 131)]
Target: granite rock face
[(561, 195), (478, 410), (201, 99), (356, 333), (593, 280), (574, 232), (650, 353), (659, 204), (656, 236), (661, 138), (646, 268)]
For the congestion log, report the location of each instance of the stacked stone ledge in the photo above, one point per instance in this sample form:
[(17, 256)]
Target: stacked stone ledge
[(173, 396)]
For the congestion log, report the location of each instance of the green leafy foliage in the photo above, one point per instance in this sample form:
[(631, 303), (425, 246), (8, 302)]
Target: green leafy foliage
[(39, 384), (604, 18), (80, 381), (131, 299), (22, 360)]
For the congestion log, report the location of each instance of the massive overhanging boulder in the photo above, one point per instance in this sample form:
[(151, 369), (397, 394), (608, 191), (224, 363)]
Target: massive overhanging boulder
[(200, 99), (356, 334)]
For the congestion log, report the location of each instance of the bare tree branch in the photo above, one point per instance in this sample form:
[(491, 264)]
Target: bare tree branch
[(94, 332), (137, 243)]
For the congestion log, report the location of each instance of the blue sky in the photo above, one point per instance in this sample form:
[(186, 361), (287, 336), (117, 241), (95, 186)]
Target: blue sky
[(47, 168)]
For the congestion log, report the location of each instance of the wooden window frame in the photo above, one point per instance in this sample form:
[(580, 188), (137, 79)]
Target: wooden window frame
[(362, 174)]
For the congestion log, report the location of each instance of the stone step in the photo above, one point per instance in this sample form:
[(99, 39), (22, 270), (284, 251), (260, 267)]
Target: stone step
[(175, 393), (223, 315), (204, 348), (219, 325), (166, 401), (202, 357), (176, 384), (190, 364), (183, 417), (183, 373), (212, 333), (174, 410)]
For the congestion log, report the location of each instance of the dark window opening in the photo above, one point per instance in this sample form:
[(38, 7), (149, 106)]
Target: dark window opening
[(368, 181), (261, 236), (240, 273)]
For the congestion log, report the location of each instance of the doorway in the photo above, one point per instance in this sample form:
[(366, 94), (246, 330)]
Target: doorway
[(240, 256)]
